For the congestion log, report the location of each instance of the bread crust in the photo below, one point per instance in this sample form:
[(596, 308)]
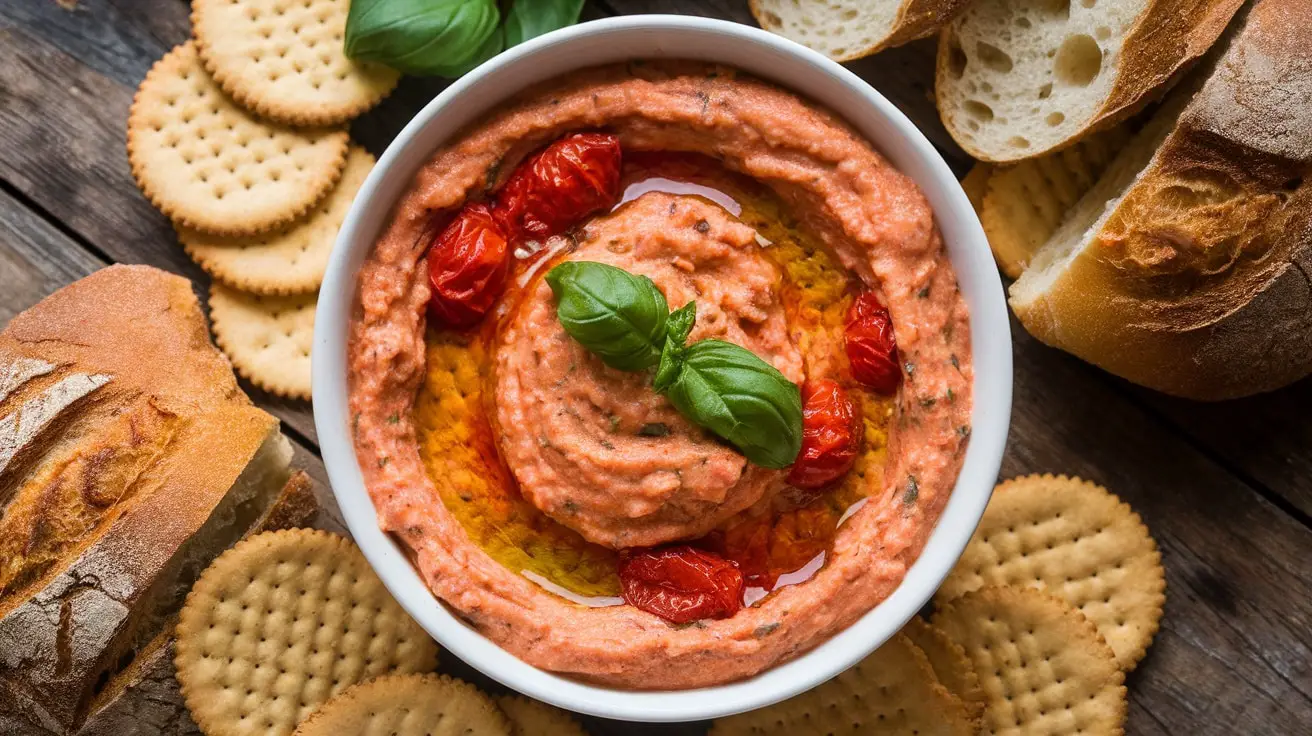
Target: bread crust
[(94, 561), (1167, 39), (1198, 282), (915, 19)]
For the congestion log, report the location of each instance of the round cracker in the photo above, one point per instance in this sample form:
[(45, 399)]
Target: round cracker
[(267, 338), (893, 690), (951, 665), (287, 261), (208, 164), (533, 718), (284, 59), (408, 705), (1077, 541), (282, 622), (1043, 666)]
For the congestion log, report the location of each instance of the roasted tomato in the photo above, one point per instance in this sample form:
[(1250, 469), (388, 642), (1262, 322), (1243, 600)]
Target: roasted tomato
[(681, 584), (871, 345), (766, 548), (831, 435), (467, 267), (567, 181)]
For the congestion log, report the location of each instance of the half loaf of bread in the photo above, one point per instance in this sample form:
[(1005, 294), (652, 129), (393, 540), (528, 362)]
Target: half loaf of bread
[(1188, 267), (1019, 78), (849, 29), (129, 458)]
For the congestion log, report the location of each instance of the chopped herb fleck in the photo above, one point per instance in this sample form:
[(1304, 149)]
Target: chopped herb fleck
[(654, 429), (955, 363), (394, 419), (765, 630), (493, 171), (614, 423), (570, 506), (706, 101), (606, 444), (951, 396), (964, 430), (688, 625), (923, 293), (383, 461), (702, 227), (355, 424), (928, 402), (910, 368), (912, 492)]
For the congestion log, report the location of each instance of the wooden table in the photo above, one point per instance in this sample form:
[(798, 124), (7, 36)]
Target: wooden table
[(1226, 488)]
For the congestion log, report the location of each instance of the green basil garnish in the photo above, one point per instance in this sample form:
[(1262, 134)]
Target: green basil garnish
[(427, 37), (619, 317), (677, 329), (728, 390), (531, 18)]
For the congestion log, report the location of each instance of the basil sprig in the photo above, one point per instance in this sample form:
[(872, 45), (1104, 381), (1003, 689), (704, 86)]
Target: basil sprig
[(728, 390), (715, 384), (446, 37), (616, 315)]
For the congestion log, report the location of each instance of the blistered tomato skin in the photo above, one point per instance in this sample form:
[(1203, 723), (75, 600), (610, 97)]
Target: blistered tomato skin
[(565, 182), (831, 436), (681, 584), (871, 345), (467, 268)]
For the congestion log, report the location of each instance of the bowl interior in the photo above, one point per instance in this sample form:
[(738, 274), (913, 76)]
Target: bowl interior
[(796, 68)]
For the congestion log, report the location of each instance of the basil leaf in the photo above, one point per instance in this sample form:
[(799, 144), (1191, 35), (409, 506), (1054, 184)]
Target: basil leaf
[(427, 37), (619, 317), (728, 390), (677, 329), (531, 18)]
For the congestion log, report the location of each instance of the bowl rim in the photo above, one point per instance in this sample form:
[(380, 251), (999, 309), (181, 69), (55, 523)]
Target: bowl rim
[(898, 139)]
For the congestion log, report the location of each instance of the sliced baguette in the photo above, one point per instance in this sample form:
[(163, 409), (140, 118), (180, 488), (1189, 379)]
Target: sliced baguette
[(1186, 268), (145, 698), (1021, 78), (119, 490), (850, 29)]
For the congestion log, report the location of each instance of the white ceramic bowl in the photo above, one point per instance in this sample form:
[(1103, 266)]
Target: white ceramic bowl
[(794, 67)]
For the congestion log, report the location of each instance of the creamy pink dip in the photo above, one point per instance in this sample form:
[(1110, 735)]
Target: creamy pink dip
[(554, 404)]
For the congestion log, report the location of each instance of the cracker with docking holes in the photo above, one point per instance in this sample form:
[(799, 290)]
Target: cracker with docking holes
[(408, 705), (533, 718), (1022, 205), (209, 164), (893, 690), (1077, 541), (281, 623), (1043, 666), (287, 261), (267, 338), (284, 60), (951, 665)]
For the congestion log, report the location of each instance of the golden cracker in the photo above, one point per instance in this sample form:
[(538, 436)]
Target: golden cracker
[(284, 60), (408, 705), (287, 261), (1077, 541), (1043, 666), (893, 690), (267, 338), (532, 718), (1023, 205), (951, 665), (976, 183), (209, 165), (281, 623)]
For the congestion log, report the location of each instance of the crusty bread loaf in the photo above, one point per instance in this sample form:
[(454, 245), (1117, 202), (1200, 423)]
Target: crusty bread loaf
[(145, 699), (849, 29), (1186, 268), (132, 459), (1019, 78)]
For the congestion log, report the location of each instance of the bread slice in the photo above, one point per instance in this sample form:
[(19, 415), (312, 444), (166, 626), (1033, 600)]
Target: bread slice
[(1020, 78), (850, 29), (145, 698), (1187, 267), (135, 460)]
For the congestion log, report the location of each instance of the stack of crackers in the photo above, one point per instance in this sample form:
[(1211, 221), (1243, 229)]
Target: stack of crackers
[(238, 136), (291, 632), (1057, 596)]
